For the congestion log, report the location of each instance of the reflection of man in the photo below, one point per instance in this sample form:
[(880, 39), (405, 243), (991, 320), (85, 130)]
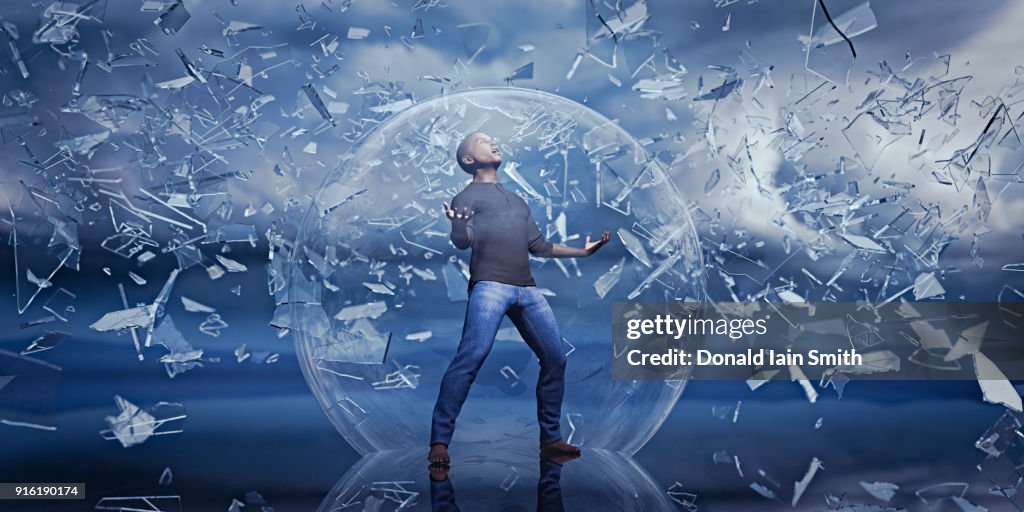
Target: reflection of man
[(549, 487), (497, 224)]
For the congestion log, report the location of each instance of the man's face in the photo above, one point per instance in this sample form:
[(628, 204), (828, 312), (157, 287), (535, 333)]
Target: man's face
[(481, 149)]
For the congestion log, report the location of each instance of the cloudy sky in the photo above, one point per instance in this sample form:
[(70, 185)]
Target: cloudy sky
[(362, 54)]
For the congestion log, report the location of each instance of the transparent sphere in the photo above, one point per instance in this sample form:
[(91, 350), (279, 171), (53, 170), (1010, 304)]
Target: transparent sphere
[(376, 292)]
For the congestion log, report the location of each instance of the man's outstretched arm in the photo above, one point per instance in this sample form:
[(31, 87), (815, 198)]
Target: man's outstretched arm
[(564, 251), (542, 248)]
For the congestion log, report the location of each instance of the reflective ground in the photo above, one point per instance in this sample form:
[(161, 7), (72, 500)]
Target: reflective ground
[(257, 428)]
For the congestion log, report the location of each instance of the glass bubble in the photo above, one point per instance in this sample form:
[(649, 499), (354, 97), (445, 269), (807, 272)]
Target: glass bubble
[(372, 270)]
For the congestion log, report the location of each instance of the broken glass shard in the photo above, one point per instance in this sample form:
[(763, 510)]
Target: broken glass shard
[(524, 72), (46, 342), (764, 491), (407, 376), (171, 21), (139, 280), (182, 357), (318, 103), (634, 246), (455, 283), (233, 233), (140, 503), (801, 486), (667, 87), (212, 325), (61, 304), (927, 286), (368, 310), (995, 388), (379, 288), (134, 425), (933, 493), (357, 343), (968, 342), (474, 37), (686, 500), (869, 137), (140, 316), (575, 421), (609, 279), (358, 33), (230, 265), (334, 195), (863, 242), (826, 52), (419, 336), (301, 316), (194, 306), (880, 490), (236, 27), (721, 91)]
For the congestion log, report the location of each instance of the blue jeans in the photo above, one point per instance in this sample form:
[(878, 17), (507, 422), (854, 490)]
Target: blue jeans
[(489, 302)]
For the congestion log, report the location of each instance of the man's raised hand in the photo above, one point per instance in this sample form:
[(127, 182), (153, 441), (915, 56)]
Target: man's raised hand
[(592, 247), (457, 214)]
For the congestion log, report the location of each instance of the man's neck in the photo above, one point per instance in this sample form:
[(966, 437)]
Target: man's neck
[(486, 175)]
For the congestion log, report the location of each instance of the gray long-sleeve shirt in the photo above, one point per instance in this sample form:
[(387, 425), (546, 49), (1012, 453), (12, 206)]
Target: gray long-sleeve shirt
[(503, 234)]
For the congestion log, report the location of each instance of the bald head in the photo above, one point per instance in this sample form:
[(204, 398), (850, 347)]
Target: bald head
[(477, 150)]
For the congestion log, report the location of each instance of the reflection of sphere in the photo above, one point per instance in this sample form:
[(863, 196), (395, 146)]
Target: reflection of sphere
[(496, 480), (377, 292)]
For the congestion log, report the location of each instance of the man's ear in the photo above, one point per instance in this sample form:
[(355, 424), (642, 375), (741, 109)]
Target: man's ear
[(466, 159)]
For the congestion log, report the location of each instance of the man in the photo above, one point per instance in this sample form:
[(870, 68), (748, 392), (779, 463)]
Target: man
[(499, 227)]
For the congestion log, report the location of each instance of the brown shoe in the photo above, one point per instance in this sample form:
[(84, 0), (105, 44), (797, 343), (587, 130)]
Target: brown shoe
[(439, 472), (438, 454), (558, 450)]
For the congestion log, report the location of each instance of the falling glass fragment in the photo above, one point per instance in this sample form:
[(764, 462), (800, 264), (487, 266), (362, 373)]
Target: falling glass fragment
[(880, 490), (134, 425)]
